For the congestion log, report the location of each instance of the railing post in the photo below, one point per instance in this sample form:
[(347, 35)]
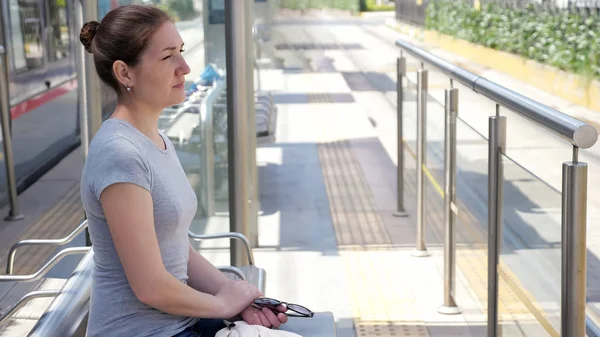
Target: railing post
[(496, 146), (574, 212), (13, 214), (421, 248), (238, 114), (400, 73), (451, 104)]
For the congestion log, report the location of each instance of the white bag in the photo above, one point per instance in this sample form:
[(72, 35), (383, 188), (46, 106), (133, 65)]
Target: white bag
[(243, 329)]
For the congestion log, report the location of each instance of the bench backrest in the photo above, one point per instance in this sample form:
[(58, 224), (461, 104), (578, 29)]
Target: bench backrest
[(67, 314)]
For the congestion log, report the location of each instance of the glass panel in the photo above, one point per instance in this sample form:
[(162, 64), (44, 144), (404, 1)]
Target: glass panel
[(471, 227), (409, 121), (17, 35), (530, 260), (44, 134), (27, 34), (58, 30), (198, 127)]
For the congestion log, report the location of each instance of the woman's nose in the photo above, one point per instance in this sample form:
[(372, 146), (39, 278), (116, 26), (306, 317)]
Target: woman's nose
[(183, 68)]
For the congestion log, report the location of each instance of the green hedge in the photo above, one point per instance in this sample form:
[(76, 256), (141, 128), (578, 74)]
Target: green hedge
[(564, 39), (371, 6), (351, 5)]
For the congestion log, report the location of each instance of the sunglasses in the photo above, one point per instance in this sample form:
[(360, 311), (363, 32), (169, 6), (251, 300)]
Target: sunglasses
[(272, 304)]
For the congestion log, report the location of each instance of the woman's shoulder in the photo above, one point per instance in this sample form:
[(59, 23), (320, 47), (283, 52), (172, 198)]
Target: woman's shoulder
[(114, 139), (114, 157)]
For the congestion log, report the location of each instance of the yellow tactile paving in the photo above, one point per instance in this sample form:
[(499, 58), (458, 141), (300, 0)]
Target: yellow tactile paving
[(381, 306), (385, 309)]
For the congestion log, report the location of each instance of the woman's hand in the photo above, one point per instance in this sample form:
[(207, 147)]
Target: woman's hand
[(235, 296), (264, 316)]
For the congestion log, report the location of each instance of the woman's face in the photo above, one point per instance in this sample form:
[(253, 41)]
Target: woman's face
[(160, 75)]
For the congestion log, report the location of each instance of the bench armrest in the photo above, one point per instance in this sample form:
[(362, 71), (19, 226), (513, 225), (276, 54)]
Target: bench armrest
[(229, 235), (233, 270)]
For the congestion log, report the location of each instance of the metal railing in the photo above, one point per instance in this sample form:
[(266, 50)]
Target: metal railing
[(574, 184), (237, 236), (7, 314), (46, 267), (41, 242)]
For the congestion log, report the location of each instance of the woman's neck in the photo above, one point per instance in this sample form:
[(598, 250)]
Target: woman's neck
[(142, 118)]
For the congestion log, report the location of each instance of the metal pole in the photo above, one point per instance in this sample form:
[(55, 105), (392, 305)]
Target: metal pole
[(400, 73), (421, 248), (574, 212), (254, 196), (237, 123), (450, 209), (13, 214), (82, 95), (81, 81), (496, 146), (89, 84), (92, 80)]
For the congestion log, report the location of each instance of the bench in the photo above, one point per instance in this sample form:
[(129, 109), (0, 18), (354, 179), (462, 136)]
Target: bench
[(252, 274), (67, 314)]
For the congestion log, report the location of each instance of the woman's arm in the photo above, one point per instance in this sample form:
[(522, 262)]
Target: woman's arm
[(129, 212), (203, 275)]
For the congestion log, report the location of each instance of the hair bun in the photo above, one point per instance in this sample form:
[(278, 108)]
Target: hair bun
[(86, 36)]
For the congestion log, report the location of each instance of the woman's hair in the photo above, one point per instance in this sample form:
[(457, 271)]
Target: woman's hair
[(123, 35)]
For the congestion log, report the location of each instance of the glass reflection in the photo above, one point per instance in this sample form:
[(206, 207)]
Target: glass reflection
[(198, 126)]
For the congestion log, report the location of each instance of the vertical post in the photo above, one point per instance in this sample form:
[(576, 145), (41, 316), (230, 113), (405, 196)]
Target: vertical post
[(208, 150), (253, 197), (496, 146), (421, 248), (89, 90), (93, 98), (81, 80), (574, 213), (449, 307), (237, 123), (400, 73), (13, 214)]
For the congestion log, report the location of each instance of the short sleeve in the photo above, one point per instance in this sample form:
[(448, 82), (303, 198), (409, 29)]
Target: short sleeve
[(118, 160)]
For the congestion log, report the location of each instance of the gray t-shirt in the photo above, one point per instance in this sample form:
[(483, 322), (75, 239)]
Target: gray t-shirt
[(119, 153)]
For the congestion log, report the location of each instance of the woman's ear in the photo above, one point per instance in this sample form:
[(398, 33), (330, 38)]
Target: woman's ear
[(123, 73)]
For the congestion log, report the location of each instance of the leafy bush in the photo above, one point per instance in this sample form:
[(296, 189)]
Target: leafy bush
[(181, 9), (351, 5), (371, 6), (561, 38)]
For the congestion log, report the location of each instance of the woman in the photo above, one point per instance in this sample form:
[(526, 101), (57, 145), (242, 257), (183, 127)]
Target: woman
[(147, 280)]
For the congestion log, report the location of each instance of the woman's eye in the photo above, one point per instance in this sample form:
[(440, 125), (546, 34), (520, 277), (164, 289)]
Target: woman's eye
[(166, 57), (182, 50)]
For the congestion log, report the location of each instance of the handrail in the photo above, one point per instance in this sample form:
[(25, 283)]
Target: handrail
[(68, 310), (38, 274), (6, 315), (229, 235), (576, 132), (38, 242), (234, 270)]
